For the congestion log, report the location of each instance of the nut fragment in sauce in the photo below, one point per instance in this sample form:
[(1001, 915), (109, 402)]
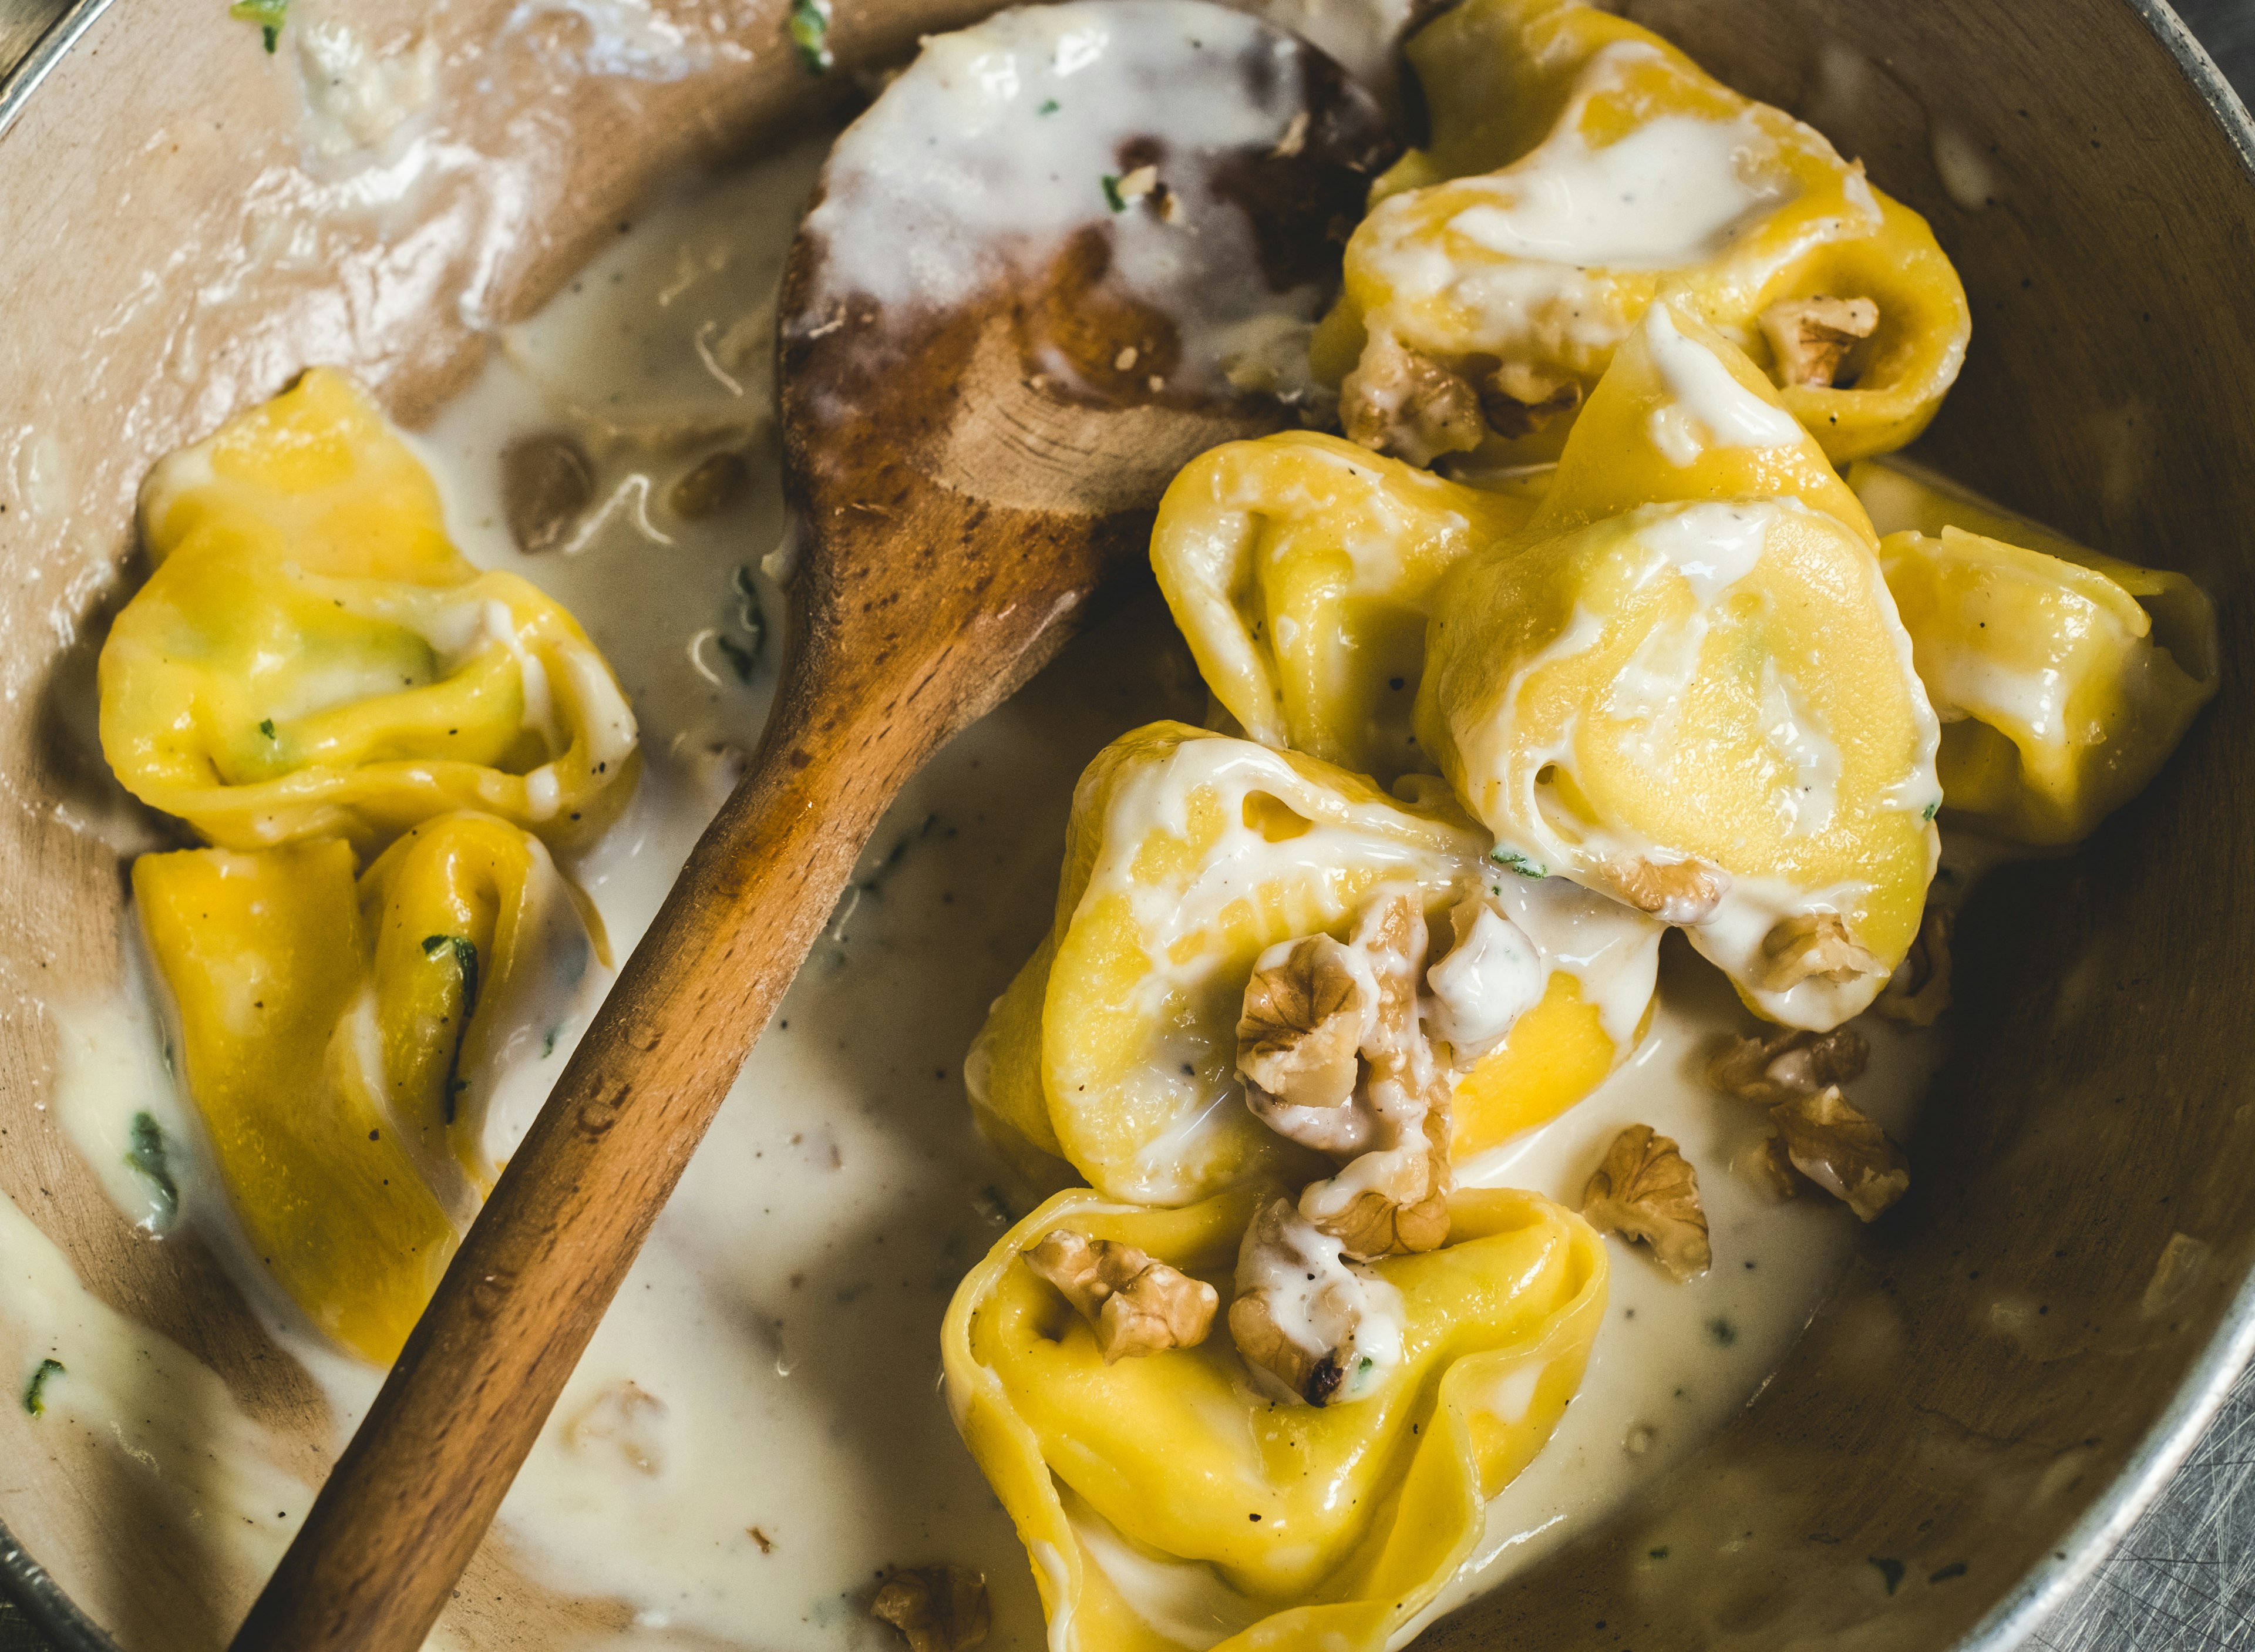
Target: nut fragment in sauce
[(708, 487), (1518, 399), (1918, 990), (1138, 1305), (1787, 1063), (1686, 891), (545, 482), (1811, 337), (1400, 402), (630, 1419), (1812, 945), (936, 1608), (1646, 1189), (1303, 1024), (1841, 1151), (1401, 1203)]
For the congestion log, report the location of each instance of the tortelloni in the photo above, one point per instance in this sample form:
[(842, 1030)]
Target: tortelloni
[(1190, 855), (1580, 168), (312, 657), (2063, 678), (1684, 685), (1169, 1500), (365, 1052), (1299, 567)]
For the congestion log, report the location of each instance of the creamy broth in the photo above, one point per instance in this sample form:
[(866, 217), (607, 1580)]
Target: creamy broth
[(757, 1431)]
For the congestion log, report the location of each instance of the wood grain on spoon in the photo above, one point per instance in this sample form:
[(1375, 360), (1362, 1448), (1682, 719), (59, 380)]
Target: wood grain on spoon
[(968, 476)]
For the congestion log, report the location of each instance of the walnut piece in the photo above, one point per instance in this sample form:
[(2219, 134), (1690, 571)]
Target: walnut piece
[(1787, 1063), (1918, 990), (1397, 401), (1686, 891), (936, 1608), (1811, 337), (1518, 399), (1302, 1022), (1137, 1305), (1394, 1194), (1841, 1151), (546, 482), (1766, 1164), (1309, 1323), (1811, 945), (1646, 1189), (629, 1418)]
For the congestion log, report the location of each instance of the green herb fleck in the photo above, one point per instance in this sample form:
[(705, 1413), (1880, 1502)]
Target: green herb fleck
[(1517, 862), (1890, 1570), (267, 729), (1723, 1333), (1660, 1554), (267, 14), (147, 1155), (1932, 809), (1049, 107), (873, 884), (548, 1042), (465, 954), (810, 31), (1113, 198), (1955, 1570), (35, 1395)]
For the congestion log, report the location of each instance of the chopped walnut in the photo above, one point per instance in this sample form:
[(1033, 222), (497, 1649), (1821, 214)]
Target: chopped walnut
[(1646, 1189), (1399, 401), (936, 1608), (1137, 1305), (1811, 945), (1787, 1063), (546, 482), (1518, 399), (1307, 1320), (1918, 990), (709, 487), (1766, 1164), (1137, 184), (1841, 1151), (1812, 336), (1394, 1194), (1489, 978), (1303, 1020), (629, 1418), (1686, 891)]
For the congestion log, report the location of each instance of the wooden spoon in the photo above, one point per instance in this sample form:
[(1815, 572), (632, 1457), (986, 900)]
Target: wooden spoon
[(974, 447)]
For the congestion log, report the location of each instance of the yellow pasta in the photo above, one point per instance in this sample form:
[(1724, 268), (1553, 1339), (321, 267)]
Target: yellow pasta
[(2063, 678), (1684, 684), (359, 1050), (310, 657), (1171, 1476), (1582, 168), (1187, 855), (1298, 568)]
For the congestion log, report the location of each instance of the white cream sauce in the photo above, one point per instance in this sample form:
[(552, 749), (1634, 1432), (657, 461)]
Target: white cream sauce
[(1037, 107), (1707, 407), (1673, 192), (756, 1428), (1526, 271)]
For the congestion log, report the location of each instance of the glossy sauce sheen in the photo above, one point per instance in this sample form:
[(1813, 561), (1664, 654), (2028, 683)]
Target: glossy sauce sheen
[(756, 1431)]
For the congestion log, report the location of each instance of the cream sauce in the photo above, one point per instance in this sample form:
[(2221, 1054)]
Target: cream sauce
[(1039, 107), (1707, 407), (785, 1313)]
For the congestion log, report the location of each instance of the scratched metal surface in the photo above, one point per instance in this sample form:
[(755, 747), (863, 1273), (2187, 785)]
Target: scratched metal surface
[(2183, 1578)]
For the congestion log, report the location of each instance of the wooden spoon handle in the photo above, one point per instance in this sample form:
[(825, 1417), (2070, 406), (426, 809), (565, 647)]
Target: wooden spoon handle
[(412, 1495)]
